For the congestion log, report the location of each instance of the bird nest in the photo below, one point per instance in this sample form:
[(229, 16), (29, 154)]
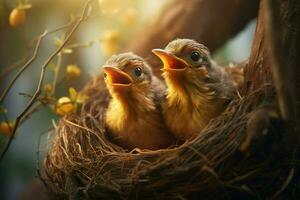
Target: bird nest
[(221, 162)]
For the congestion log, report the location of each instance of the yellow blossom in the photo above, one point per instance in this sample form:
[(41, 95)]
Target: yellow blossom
[(17, 17), (6, 128), (64, 106), (73, 71)]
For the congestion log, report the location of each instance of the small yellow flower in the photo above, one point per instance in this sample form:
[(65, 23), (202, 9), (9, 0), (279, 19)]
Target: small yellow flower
[(73, 71), (6, 128), (111, 41), (17, 17), (64, 106)]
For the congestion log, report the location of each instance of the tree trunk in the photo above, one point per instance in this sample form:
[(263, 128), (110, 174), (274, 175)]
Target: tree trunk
[(274, 60), (275, 55)]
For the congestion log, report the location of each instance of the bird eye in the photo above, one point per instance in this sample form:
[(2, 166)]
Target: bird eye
[(195, 56), (137, 71), (105, 76)]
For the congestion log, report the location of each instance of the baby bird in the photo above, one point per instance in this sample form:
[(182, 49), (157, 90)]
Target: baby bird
[(134, 116), (198, 89)]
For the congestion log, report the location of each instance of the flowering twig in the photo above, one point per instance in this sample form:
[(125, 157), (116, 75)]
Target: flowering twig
[(25, 66), (56, 73), (42, 74), (26, 57), (13, 66), (81, 45), (31, 60)]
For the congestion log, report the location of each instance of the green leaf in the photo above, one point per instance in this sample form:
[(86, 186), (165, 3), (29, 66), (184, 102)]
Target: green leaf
[(81, 98), (73, 94), (57, 41)]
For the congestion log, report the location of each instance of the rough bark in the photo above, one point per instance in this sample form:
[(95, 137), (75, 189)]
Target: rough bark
[(274, 60), (283, 34), (275, 54), (258, 69)]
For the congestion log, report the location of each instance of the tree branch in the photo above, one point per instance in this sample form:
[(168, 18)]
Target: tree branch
[(42, 75), (23, 68)]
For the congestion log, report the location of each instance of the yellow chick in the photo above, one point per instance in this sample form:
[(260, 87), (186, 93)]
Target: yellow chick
[(134, 116), (198, 89)]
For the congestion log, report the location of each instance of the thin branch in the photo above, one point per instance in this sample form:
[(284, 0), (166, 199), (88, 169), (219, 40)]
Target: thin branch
[(63, 26), (13, 66), (56, 73), (31, 111), (32, 59), (42, 76), (37, 47), (81, 45)]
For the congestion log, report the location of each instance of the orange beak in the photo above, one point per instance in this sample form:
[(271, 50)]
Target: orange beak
[(116, 77), (170, 61)]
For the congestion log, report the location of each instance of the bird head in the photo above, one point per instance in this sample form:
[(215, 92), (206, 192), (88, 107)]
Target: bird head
[(186, 64), (127, 76)]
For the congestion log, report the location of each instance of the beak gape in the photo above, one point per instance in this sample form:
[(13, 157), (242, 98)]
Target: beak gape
[(170, 61), (115, 76)]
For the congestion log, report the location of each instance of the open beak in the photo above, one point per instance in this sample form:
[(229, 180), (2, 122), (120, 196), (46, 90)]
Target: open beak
[(170, 61), (116, 77)]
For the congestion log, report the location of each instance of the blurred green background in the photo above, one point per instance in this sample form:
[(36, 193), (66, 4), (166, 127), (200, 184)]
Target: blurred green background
[(108, 29)]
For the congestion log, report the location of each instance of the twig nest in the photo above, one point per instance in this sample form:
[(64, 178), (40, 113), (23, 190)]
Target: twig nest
[(83, 164)]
